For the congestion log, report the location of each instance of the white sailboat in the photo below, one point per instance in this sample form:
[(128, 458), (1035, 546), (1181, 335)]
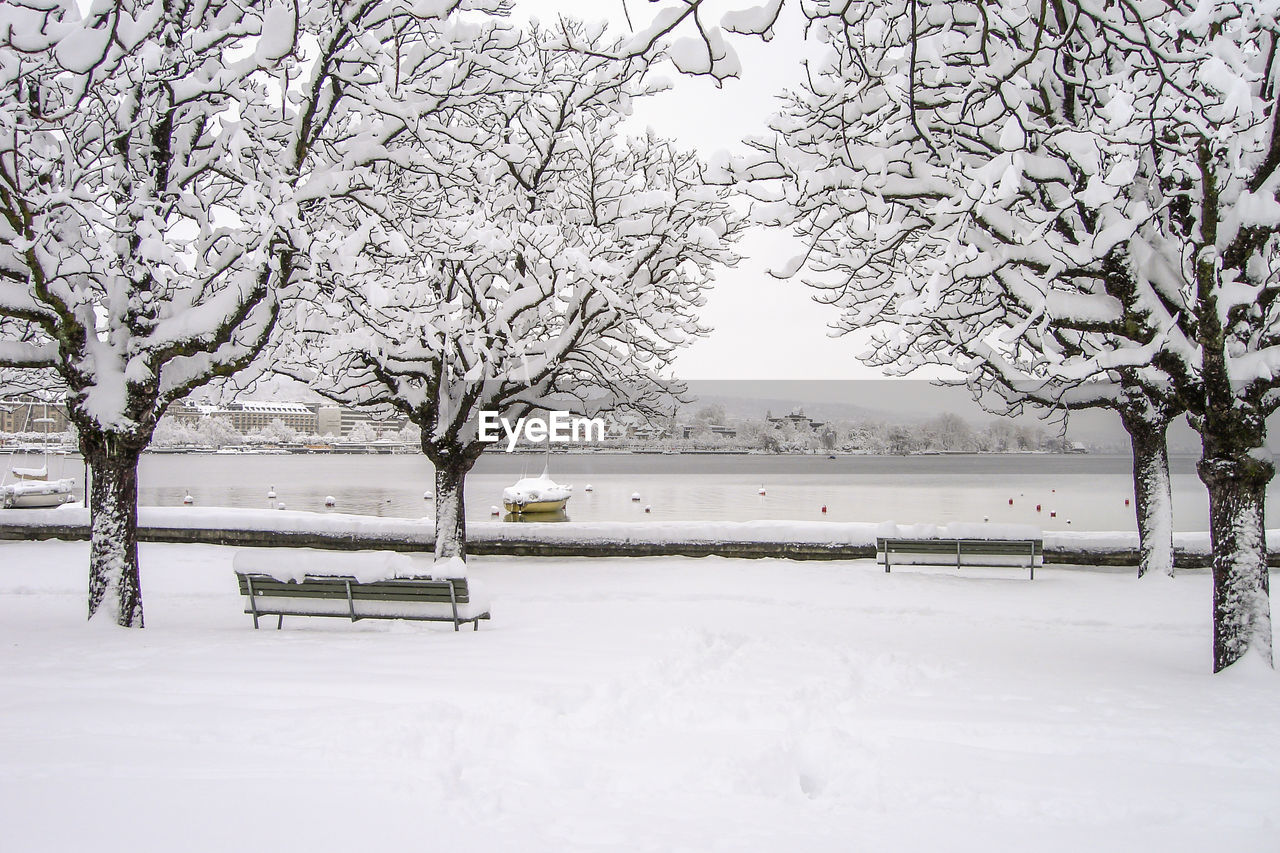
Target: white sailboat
[(536, 495), (32, 488)]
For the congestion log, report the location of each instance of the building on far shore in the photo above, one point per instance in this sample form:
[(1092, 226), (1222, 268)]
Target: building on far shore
[(341, 422), (798, 419), (250, 415), (27, 415)]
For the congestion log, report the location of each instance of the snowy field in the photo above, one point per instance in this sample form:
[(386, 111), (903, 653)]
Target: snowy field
[(647, 705)]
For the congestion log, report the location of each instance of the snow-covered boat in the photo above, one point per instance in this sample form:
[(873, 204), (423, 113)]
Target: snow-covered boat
[(32, 488), (36, 494), (536, 494)]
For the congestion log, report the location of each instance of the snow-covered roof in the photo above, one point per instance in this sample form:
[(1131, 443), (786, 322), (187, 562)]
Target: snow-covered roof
[(272, 407)]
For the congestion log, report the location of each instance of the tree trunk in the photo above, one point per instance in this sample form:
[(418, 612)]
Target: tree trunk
[(1153, 498), (451, 515), (114, 581), (1241, 603)]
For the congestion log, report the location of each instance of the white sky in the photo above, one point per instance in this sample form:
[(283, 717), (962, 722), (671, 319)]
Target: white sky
[(764, 328)]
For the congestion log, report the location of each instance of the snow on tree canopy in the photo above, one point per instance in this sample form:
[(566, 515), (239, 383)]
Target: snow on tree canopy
[(158, 164), (545, 262), (1069, 200)]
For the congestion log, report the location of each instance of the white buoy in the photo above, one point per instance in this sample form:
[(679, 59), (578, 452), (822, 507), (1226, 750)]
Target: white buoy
[(761, 492), (648, 508), (330, 500), (280, 505), (635, 496), (426, 496), (587, 487), (493, 510), (272, 493), (188, 500)]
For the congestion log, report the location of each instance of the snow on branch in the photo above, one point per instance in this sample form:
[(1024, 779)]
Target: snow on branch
[(544, 261)]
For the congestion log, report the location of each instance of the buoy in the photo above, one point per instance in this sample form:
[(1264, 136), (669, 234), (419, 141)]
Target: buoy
[(761, 492), (1055, 491), (330, 500), (1053, 515), (587, 487), (824, 509), (635, 496), (1068, 521), (1126, 501), (280, 505), (1037, 507), (986, 518), (1010, 501), (493, 510), (426, 496), (188, 500), (272, 493), (648, 508)]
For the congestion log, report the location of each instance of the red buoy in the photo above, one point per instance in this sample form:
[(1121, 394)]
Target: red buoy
[(1037, 507), (1053, 515), (1010, 501), (824, 509), (1126, 501)]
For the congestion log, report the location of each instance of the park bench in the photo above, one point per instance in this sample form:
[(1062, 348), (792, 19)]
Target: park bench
[(367, 592), (1022, 553)]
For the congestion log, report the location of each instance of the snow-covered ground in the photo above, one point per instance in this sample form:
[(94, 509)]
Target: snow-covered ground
[(635, 704)]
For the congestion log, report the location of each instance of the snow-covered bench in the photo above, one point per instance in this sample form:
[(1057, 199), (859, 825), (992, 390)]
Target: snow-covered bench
[(958, 552), (355, 585)]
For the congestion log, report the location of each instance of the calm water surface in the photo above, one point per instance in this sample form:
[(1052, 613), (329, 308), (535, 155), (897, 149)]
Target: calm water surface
[(1087, 492)]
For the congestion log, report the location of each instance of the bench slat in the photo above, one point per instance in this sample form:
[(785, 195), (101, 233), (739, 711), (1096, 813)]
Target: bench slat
[(356, 595), (302, 590)]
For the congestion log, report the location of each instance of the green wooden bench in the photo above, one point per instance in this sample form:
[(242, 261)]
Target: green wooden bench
[(415, 598), (1021, 553)]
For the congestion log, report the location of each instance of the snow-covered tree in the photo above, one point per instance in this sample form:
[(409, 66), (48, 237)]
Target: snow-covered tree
[(550, 264), (928, 165), (277, 432), (156, 160), (1077, 202), (363, 432)]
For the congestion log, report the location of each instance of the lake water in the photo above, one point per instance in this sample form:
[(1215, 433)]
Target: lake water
[(1087, 492)]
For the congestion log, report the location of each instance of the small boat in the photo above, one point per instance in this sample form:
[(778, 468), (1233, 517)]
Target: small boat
[(32, 488), (536, 495), (37, 494)]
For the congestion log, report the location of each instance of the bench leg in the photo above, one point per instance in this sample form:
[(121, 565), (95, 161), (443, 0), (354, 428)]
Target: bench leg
[(253, 600)]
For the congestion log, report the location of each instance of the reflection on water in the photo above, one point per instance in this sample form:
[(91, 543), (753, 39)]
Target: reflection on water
[(1086, 492), (535, 517)]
